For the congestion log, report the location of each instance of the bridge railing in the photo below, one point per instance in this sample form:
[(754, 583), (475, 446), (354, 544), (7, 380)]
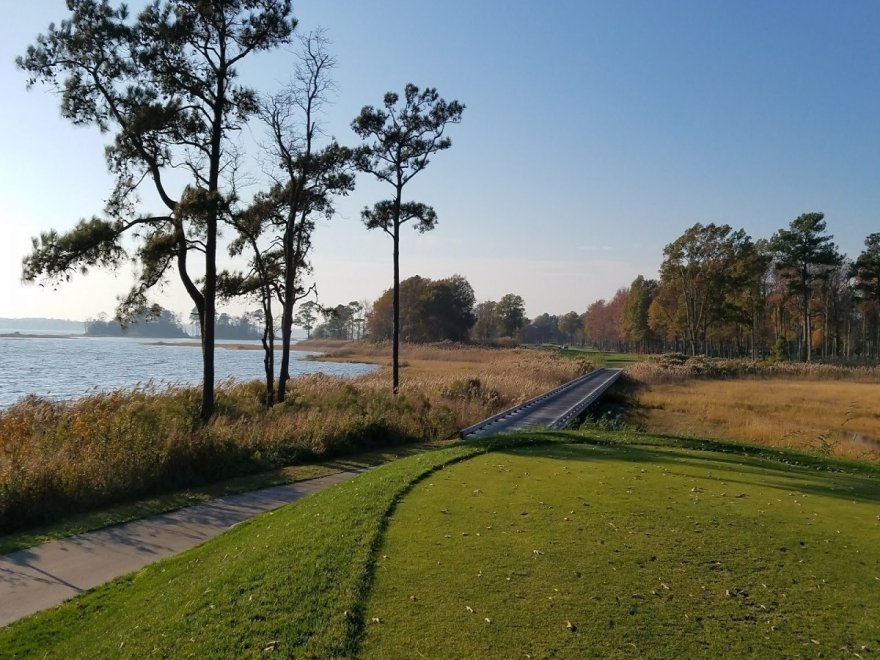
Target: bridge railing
[(565, 418), (531, 402)]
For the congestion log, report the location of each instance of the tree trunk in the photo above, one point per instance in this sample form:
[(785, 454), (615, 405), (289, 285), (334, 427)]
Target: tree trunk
[(207, 409), (808, 340), (268, 341), (286, 329), (395, 333)]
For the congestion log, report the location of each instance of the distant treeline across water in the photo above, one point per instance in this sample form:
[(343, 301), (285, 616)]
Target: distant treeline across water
[(165, 324)]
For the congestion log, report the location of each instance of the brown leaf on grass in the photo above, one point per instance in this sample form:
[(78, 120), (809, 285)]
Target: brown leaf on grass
[(469, 609), (377, 619), (271, 646), (572, 627)]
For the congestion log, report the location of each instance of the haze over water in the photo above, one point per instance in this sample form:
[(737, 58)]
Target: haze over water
[(70, 367)]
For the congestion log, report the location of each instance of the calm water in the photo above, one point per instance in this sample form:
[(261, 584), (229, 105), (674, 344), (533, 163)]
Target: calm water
[(66, 368)]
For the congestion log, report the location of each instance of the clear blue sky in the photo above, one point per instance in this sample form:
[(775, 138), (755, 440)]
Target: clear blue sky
[(595, 133)]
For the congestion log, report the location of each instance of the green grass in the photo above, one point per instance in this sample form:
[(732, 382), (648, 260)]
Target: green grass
[(290, 581), (150, 506), (610, 550), (646, 548), (599, 358), (605, 358)]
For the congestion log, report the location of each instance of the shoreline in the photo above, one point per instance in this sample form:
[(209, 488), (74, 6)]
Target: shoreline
[(218, 344), (33, 335)]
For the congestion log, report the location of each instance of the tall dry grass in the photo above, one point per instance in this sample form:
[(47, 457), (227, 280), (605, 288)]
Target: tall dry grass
[(822, 408), (675, 367), (58, 458)]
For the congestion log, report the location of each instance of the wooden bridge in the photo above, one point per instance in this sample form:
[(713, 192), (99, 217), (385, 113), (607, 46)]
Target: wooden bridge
[(555, 409)]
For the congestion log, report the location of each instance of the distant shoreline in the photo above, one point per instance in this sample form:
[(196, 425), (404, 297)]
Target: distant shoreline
[(32, 335), (231, 347), (194, 343)]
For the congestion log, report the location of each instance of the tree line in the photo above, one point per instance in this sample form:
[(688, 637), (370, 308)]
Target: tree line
[(160, 323), (164, 85), (720, 292)]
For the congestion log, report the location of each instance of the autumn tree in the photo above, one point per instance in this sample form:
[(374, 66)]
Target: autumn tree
[(804, 252), (634, 323), (399, 141), (165, 84), (597, 323), (666, 320), (698, 265), (431, 310)]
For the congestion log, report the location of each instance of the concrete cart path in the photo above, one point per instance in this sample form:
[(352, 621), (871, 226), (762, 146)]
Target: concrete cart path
[(46, 575)]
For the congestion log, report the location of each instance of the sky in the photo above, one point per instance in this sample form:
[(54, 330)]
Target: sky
[(594, 134)]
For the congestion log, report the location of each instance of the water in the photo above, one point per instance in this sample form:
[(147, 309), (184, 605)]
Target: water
[(69, 367)]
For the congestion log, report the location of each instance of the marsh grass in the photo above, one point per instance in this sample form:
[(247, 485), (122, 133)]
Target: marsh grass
[(676, 368), (64, 458), (831, 417)]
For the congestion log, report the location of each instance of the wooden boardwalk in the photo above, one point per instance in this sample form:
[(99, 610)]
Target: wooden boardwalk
[(552, 410)]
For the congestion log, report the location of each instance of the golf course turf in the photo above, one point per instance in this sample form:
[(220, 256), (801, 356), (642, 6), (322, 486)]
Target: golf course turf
[(538, 545)]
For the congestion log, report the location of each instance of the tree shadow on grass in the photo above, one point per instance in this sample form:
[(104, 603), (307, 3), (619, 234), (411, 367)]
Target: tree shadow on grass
[(743, 465)]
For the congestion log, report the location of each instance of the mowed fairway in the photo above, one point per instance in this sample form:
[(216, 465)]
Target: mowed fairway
[(575, 550)]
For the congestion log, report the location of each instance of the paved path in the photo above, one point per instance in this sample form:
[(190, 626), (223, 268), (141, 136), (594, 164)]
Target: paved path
[(46, 575)]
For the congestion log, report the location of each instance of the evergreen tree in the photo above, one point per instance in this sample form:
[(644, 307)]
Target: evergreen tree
[(803, 253), (399, 143), (165, 85)]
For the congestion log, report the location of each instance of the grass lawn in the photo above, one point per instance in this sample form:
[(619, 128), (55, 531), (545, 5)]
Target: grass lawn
[(607, 544), (574, 550), (603, 358)]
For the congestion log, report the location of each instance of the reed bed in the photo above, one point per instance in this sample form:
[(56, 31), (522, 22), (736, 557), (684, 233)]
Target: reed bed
[(59, 458)]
